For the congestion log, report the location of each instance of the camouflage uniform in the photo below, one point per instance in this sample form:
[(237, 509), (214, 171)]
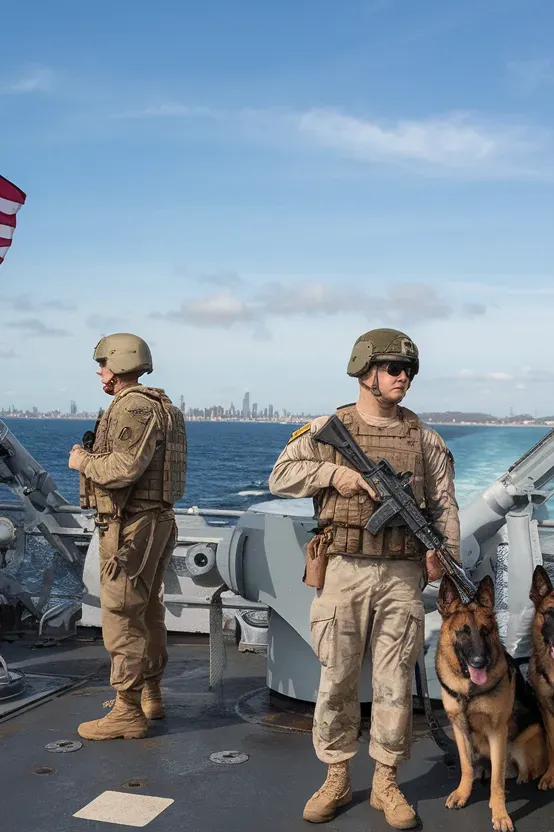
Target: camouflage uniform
[(128, 480), (370, 598), (372, 584), (133, 476)]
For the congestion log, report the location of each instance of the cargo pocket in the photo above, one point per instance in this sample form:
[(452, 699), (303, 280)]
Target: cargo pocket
[(122, 588), (323, 630), (113, 590), (413, 637)]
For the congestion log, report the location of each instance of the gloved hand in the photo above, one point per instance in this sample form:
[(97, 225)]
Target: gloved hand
[(348, 482)]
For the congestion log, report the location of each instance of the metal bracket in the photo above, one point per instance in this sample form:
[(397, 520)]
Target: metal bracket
[(218, 654)]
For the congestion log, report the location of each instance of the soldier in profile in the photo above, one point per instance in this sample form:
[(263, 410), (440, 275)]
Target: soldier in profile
[(370, 586), (133, 475)]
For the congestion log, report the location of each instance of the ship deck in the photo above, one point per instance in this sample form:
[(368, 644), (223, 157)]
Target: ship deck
[(41, 791)]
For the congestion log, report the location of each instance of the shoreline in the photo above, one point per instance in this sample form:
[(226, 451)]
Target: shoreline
[(301, 421), (492, 425)]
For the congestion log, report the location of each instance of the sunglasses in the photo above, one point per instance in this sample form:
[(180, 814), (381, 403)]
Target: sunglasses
[(394, 368)]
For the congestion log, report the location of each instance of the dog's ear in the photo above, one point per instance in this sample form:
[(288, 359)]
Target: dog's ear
[(485, 593), (541, 585), (449, 597)]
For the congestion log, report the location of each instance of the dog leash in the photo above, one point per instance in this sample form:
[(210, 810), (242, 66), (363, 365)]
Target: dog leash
[(441, 738)]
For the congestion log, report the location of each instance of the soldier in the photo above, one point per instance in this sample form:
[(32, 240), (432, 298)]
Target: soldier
[(133, 476), (373, 583)]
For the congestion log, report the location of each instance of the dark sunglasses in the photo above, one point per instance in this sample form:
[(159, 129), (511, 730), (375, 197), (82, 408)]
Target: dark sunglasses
[(394, 368)]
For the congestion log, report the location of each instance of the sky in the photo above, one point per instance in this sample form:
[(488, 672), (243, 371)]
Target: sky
[(250, 186)]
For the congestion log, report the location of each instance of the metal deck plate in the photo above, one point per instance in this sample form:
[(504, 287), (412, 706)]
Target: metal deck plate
[(37, 688)]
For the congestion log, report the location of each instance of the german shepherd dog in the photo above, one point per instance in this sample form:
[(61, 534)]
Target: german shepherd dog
[(541, 666), (478, 685)]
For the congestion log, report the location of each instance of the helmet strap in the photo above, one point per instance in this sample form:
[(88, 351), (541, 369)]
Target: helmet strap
[(374, 386)]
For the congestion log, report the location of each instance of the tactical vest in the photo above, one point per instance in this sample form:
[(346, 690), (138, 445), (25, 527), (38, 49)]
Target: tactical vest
[(345, 517), (164, 480)]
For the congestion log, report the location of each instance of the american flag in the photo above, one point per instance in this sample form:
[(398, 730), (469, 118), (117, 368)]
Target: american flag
[(11, 200)]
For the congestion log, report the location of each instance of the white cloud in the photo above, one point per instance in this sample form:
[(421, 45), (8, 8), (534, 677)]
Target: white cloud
[(33, 326), (310, 299), (402, 304), (35, 79), (472, 310), (498, 376), (456, 142), (220, 309), (28, 303), (226, 279)]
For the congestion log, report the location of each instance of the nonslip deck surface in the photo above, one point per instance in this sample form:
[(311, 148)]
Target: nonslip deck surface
[(168, 783)]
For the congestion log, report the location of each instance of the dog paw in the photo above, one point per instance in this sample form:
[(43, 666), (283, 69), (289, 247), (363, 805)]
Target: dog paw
[(457, 800), (523, 777), (502, 822), (547, 780)]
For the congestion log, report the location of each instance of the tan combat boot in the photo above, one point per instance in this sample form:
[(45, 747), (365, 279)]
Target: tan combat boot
[(126, 720), (387, 798), (335, 792), (151, 700)]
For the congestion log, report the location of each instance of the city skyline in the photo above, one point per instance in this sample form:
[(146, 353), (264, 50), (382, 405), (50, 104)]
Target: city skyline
[(246, 412), (219, 412)]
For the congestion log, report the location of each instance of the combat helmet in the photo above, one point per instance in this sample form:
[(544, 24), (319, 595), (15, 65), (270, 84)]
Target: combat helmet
[(381, 345), (124, 353)]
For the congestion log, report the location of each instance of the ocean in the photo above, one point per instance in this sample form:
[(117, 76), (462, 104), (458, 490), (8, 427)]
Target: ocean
[(229, 462)]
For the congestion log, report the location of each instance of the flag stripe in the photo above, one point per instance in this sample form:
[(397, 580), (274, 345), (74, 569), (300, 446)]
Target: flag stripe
[(11, 192), (6, 232), (11, 200), (9, 207), (7, 219)]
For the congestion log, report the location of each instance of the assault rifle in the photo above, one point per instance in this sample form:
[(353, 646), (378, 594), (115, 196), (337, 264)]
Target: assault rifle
[(398, 505)]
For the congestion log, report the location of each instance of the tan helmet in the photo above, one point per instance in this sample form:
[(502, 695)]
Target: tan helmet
[(381, 345), (124, 353)]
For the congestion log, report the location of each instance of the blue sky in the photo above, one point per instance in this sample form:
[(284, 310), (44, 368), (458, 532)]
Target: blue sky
[(250, 186)]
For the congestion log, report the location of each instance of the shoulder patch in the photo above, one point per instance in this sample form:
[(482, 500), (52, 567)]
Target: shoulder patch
[(300, 431)]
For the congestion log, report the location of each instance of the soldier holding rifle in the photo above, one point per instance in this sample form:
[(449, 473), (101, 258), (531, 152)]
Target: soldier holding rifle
[(369, 585)]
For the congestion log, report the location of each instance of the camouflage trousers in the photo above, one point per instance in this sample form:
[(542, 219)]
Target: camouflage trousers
[(131, 597), (373, 603)]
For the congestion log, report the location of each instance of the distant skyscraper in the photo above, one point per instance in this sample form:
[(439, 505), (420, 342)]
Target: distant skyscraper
[(255, 411), (246, 406), (182, 405), (73, 409), (270, 410)]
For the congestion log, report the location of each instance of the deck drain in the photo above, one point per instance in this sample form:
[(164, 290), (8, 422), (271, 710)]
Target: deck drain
[(63, 746), (45, 770), (134, 784), (229, 758)]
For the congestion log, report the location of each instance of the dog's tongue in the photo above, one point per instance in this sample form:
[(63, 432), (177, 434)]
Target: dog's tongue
[(478, 675), (552, 652)]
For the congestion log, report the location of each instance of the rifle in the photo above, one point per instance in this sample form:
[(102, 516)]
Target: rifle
[(398, 506), (89, 437)]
